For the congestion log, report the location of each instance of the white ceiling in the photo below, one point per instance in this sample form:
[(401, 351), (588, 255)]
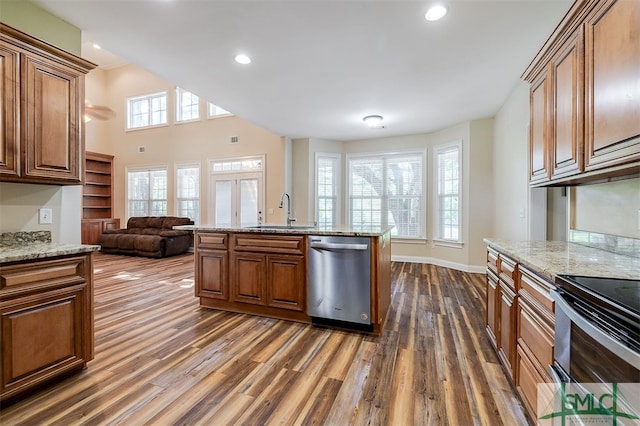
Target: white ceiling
[(320, 66)]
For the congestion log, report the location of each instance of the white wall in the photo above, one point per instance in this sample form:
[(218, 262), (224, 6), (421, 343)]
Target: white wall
[(510, 166)]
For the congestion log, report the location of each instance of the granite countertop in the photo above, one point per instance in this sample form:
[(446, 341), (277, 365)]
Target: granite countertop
[(551, 258), (41, 250), (293, 230)]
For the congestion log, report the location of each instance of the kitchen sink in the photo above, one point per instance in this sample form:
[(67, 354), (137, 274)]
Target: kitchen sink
[(280, 227)]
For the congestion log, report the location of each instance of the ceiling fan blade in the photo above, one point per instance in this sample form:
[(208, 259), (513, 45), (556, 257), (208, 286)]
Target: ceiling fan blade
[(99, 112)]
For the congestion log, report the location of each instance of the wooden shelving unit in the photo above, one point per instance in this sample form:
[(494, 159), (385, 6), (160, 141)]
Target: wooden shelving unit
[(97, 197)]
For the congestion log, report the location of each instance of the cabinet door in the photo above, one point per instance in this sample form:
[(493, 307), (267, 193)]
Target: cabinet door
[(43, 336), (286, 282), (507, 340), (567, 140), (538, 130), (212, 274), (612, 54), (10, 97), (108, 224), (90, 231), (51, 125), (249, 278), (493, 318)]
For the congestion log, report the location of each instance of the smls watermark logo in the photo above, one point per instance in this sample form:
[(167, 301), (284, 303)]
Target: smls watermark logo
[(568, 404)]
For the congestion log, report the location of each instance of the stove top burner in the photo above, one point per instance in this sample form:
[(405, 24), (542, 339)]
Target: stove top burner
[(616, 292)]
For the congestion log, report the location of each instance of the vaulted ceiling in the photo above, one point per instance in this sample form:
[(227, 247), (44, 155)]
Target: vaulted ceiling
[(318, 67)]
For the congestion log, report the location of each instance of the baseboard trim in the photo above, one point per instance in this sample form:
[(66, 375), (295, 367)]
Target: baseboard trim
[(475, 269)]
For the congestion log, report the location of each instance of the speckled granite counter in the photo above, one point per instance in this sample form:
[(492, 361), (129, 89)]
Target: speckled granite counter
[(293, 230), (39, 250), (551, 258)]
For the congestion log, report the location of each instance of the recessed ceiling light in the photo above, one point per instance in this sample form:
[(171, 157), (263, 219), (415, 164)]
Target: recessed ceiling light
[(373, 121), (96, 46), (435, 12), (243, 59)]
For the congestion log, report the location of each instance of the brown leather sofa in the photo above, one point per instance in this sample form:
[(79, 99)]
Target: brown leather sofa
[(149, 236)]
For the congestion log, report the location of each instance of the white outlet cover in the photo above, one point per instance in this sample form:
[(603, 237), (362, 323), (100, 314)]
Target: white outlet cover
[(45, 216)]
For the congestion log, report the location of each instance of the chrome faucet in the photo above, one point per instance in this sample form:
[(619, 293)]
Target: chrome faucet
[(289, 218)]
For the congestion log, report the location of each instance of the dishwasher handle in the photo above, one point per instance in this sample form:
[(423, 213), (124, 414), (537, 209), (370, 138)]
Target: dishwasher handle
[(338, 246)]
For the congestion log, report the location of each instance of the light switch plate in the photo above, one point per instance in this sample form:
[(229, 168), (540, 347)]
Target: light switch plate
[(44, 216)]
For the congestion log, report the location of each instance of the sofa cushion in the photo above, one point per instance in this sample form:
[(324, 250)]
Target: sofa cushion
[(145, 222), (170, 222), (149, 243)]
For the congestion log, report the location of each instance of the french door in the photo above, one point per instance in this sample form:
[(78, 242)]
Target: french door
[(237, 197)]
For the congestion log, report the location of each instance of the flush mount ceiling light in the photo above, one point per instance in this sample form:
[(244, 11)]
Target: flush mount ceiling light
[(243, 59), (435, 12), (96, 46), (373, 121)]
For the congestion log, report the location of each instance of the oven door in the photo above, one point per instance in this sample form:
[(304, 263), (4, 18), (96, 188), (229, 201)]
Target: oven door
[(592, 346)]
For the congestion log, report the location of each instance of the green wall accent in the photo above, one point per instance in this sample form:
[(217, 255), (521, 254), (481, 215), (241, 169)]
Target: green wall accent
[(33, 20)]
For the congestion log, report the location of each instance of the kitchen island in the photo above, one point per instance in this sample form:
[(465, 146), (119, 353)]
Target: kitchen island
[(263, 270), (46, 313)]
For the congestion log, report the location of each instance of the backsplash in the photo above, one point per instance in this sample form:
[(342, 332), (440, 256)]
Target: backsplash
[(8, 239), (613, 243)]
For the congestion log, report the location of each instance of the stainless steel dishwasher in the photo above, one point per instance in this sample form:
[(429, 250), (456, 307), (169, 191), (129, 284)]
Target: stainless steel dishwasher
[(339, 284)]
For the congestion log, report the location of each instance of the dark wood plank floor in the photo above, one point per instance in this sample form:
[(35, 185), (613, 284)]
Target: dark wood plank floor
[(163, 360)]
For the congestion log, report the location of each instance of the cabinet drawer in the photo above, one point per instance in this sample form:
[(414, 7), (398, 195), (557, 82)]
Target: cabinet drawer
[(527, 379), (535, 335), (212, 240), (536, 291), (269, 243), (507, 270), (37, 275), (492, 260)]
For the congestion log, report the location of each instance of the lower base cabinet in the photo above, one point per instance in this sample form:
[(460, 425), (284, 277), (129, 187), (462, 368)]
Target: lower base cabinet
[(520, 325), (46, 319)]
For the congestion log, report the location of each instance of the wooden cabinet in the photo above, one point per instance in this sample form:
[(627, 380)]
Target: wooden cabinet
[(584, 96), (212, 265), (269, 270), (567, 105), (506, 306), (46, 318), (42, 103), (97, 197), (492, 319), (535, 336), (612, 51)]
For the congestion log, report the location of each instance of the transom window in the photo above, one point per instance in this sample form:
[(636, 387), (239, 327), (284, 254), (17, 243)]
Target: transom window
[(387, 190), (216, 111), (147, 192), (147, 111), (448, 166), (188, 191), (187, 105), (236, 165)]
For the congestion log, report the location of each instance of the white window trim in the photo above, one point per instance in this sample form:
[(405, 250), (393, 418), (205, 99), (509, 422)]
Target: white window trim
[(175, 173), (438, 240), (155, 167), (177, 107), (152, 126), (338, 209), (423, 206)]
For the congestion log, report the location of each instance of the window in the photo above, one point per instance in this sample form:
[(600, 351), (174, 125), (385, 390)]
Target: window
[(387, 190), (216, 111), (147, 192), (448, 166), (187, 105), (327, 184), (147, 111), (188, 191)]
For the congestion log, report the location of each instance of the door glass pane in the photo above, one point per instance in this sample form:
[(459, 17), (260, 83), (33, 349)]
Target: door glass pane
[(248, 202), (223, 203)]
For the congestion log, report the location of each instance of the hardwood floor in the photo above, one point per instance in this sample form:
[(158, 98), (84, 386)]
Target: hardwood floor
[(163, 360)]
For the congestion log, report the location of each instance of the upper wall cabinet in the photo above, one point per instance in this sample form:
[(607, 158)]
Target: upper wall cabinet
[(585, 97), (42, 92)]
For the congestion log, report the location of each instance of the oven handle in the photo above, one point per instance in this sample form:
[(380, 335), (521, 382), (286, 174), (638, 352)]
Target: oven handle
[(603, 338)]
